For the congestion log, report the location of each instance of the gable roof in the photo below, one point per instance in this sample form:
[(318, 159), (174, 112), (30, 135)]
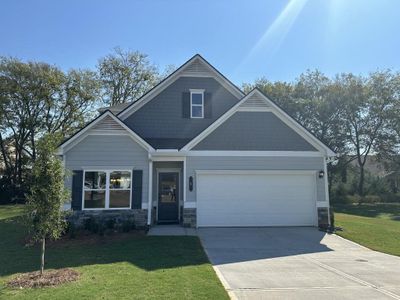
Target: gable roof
[(253, 101), (195, 66), (105, 123)]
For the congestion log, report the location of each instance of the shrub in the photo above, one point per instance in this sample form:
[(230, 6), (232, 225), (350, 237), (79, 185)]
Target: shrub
[(371, 199)]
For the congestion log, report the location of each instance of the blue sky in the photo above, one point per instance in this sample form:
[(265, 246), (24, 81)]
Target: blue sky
[(243, 39)]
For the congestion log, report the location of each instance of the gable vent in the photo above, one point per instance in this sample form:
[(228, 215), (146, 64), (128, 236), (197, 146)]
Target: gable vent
[(107, 123), (195, 68), (254, 101)]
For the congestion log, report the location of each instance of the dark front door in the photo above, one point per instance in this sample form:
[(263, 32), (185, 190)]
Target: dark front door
[(168, 197)]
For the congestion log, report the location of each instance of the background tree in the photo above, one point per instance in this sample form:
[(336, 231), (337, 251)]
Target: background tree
[(35, 99), (47, 195), (368, 106), (125, 76)]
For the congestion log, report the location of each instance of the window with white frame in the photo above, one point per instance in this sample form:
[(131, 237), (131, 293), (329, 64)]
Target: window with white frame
[(197, 103), (107, 189)]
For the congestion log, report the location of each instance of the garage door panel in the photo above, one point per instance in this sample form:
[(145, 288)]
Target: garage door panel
[(256, 200)]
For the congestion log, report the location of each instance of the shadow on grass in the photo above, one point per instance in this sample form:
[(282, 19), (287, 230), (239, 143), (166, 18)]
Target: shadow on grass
[(384, 210), (145, 252), (158, 252)]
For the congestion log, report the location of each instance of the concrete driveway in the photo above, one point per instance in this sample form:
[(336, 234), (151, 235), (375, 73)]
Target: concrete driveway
[(298, 263)]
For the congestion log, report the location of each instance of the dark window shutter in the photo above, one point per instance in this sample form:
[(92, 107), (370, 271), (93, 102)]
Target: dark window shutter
[(77, 182), (137, 178), (207, 106), (186, 105)]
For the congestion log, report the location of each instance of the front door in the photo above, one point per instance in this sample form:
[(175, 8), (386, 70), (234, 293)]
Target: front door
[(168, 197)]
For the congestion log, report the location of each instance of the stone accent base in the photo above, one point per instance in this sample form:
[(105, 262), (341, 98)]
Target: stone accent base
[(189, 217), (139, 216), (323, 217)]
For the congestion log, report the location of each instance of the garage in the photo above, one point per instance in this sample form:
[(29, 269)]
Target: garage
[(256, 198)]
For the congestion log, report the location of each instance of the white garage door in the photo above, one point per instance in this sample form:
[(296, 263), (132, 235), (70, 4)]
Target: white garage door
[(256, 198)]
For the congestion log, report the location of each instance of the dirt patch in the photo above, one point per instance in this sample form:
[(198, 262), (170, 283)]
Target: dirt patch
[(49, 278)]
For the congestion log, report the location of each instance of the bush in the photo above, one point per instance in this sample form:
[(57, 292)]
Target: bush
[(371, 199), (71, 230), (91, 225), (353, 199)]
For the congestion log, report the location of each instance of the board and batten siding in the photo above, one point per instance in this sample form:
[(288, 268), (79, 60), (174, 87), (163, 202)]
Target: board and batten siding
[(107, 151), (194, 163)]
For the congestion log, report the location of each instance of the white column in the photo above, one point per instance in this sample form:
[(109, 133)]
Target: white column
[(150, 206), (327, 189)]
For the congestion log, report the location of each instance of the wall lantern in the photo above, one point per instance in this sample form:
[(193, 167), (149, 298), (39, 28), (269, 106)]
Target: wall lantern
[(321, 174), (191, 183)]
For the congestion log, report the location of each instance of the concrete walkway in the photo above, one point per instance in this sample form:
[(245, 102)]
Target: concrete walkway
[(171, 230), (298, 263)]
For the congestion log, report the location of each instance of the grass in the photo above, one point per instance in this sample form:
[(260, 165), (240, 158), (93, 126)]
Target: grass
[(376, 226), (139, 267)]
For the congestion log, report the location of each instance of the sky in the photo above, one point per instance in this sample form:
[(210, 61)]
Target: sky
[(245, 40)]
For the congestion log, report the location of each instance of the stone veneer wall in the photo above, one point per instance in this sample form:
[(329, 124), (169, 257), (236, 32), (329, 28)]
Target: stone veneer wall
[(323, 217), (139, 216), (189, 217)]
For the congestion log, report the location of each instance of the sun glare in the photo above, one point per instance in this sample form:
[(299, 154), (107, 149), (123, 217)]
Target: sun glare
[(275, 34)]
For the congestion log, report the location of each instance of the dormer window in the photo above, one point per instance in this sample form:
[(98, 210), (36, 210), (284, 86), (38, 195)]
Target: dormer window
[(197, 104)]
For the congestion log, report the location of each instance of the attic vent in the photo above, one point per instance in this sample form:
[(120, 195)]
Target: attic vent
[(196, 67), (254, 101), (107, 123)]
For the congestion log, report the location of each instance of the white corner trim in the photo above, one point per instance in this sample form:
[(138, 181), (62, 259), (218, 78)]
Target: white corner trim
[(75, 139), (172, 78), (150, 193), (254, 153)]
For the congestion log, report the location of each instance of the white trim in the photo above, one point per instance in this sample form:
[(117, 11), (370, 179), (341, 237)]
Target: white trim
[(66, 146), (107, 189), (254, 153), (322, 204), (167, 158), (256, 172), (106, 168), (184, 180), (327, 190), (150, 187), (190, 204), (197, 92), (172, 78), (283, 116)]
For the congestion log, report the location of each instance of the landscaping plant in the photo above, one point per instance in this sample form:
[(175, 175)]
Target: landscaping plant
[(47, 195)]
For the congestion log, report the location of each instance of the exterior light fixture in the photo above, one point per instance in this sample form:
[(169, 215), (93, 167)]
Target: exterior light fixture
[(191, 183), (321, 174)]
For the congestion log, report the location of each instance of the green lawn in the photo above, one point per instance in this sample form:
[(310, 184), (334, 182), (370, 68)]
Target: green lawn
[(138, 267), (376, 226)]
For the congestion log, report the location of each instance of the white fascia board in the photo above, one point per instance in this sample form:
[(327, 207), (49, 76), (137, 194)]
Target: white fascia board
[(254, 153), (85, 132), (255, 172), (172, 78)]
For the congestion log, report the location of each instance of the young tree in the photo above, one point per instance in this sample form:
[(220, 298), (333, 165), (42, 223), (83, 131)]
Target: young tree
[(47, 195), (125, 76)]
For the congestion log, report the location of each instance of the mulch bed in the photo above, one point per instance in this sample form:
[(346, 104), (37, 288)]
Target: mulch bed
[(49, 278)]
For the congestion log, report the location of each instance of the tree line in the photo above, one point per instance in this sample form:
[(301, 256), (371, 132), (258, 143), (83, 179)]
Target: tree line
[(357, 116)]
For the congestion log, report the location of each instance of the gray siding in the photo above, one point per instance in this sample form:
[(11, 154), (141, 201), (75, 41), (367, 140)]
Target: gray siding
[(254, 131), (194, 163), (109, 151), (162, 117)]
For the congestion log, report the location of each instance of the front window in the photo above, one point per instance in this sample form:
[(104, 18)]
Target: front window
[(197, 103), (107, 189)]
